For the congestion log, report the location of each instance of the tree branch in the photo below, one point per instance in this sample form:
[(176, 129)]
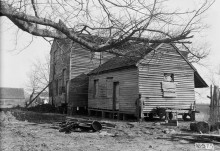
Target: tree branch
[(122, 31), (34, 8)]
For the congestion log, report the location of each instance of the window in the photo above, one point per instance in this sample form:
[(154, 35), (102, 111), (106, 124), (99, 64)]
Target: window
[(168, 85), (96, 55), (95, 93), (168, 77)]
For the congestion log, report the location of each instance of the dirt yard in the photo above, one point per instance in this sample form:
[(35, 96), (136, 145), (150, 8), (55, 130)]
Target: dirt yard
[(30, 131)]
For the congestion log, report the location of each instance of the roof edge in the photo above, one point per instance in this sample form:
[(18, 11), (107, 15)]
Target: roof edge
[(196, 74), (111, 70), (147, 54)]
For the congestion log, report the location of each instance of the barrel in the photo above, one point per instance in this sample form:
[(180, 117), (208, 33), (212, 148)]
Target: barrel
[(96, 126)]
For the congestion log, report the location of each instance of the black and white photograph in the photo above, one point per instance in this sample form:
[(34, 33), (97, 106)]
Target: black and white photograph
[(109, 75)]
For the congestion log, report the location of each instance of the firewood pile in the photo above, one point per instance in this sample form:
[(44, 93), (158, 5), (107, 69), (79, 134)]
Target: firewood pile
[(72, 124)]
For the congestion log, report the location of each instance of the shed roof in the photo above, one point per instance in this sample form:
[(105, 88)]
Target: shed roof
[(133, 57), (129, 59), (116, 63), (11, 93)]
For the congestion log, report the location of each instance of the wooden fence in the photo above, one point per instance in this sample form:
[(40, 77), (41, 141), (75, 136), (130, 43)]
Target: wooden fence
[(214, 104)]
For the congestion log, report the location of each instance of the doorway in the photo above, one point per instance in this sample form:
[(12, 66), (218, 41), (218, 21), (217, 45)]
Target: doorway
[(115, 95)]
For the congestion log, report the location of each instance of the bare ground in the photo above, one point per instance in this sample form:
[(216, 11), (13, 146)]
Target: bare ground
[(30, 131)]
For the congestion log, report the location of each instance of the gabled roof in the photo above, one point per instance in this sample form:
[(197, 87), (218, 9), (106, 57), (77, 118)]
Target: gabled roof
[(198, 80), (133, 57), (11, 93)]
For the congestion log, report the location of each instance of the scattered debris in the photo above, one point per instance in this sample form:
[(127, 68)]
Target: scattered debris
[(113, 135), (85, 125), (74, 124), (169, 131)]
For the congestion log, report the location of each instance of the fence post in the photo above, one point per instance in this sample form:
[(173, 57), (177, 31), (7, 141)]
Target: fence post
[(214, 107), (218, 105), (211, 106)]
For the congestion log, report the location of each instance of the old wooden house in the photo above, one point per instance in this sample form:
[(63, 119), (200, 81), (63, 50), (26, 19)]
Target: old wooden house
[(162, 75), (69, 65)]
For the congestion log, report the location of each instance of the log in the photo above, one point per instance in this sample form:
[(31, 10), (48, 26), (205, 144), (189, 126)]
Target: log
[(198, 135), (200, 127)]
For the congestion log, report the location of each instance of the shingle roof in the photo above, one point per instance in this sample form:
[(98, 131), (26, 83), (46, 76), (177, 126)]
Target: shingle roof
[(128, 60), (115, 63), (11, 93)]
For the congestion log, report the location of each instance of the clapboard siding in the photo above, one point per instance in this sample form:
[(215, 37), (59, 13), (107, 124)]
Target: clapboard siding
[(76, 60), (83, 60), (151, 73), (128, 90)]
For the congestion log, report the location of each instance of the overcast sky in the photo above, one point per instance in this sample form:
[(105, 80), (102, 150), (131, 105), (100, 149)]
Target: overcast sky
[(16, 63)]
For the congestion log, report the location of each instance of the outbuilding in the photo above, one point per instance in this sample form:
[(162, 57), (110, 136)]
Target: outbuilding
[(161, 74), (11, 97)]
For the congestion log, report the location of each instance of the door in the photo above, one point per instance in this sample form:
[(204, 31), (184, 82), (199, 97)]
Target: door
[(116, 96)]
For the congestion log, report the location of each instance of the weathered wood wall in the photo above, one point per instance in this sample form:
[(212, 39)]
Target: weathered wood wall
[(128, 90), (59, 71), (82, 61), (78, 91), (67, 61), (151, 73), (214, 104)]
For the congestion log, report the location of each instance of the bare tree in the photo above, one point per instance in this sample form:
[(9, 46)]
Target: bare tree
[(215, 75), (38, 77), (107, 24)]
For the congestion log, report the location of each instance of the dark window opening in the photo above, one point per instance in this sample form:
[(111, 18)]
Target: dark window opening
[(168, 77)]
